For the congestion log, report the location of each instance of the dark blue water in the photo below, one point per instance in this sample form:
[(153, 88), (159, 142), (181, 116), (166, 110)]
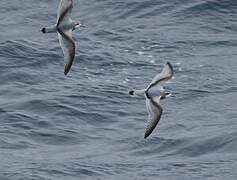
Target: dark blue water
[(85, 125)]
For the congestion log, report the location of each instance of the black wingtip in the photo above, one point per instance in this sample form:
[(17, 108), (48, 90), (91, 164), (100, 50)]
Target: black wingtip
[(147, 134), (43, 30), (66, 71), (67, 68), (170, 65), (131, 92)]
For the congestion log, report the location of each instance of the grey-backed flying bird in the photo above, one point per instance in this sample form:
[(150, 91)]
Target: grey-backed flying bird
[(153, 94), (64, 27)]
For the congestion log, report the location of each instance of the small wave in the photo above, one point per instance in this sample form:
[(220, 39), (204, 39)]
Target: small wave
[(55, 137), (23, 53), (187, 146), (219, 144), (7, 143), (205, 8), (141, 9)]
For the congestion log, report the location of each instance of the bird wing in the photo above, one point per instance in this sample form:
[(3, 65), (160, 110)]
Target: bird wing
[(64, 10), (154, 114), (165, 75), (156, 86), (68, 46)]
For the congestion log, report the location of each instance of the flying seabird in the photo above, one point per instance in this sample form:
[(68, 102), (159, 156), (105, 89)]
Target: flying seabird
[(153, 94), (64, 27)]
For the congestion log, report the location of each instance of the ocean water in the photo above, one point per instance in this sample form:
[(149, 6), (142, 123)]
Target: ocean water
[(85, 125)]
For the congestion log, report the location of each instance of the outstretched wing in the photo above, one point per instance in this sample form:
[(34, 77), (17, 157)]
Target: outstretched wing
[(64, 10), (166, 74), (156, 86), (154, 114), (68, 46)]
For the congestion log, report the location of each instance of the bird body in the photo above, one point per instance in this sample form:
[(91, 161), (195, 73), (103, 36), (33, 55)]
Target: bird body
[(64, 27), (153, 94)]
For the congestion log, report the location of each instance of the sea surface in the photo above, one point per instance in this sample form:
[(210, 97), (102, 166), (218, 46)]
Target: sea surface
[(85, 125)]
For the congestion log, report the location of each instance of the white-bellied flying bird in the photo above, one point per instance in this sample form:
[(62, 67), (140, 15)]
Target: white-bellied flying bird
[(153, 94), (64, 27)]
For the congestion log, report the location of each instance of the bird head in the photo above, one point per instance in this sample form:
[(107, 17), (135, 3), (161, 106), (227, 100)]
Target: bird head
[(77, 24)]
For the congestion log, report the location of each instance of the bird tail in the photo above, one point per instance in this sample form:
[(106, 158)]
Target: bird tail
[(137, 92), (50, 29)]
